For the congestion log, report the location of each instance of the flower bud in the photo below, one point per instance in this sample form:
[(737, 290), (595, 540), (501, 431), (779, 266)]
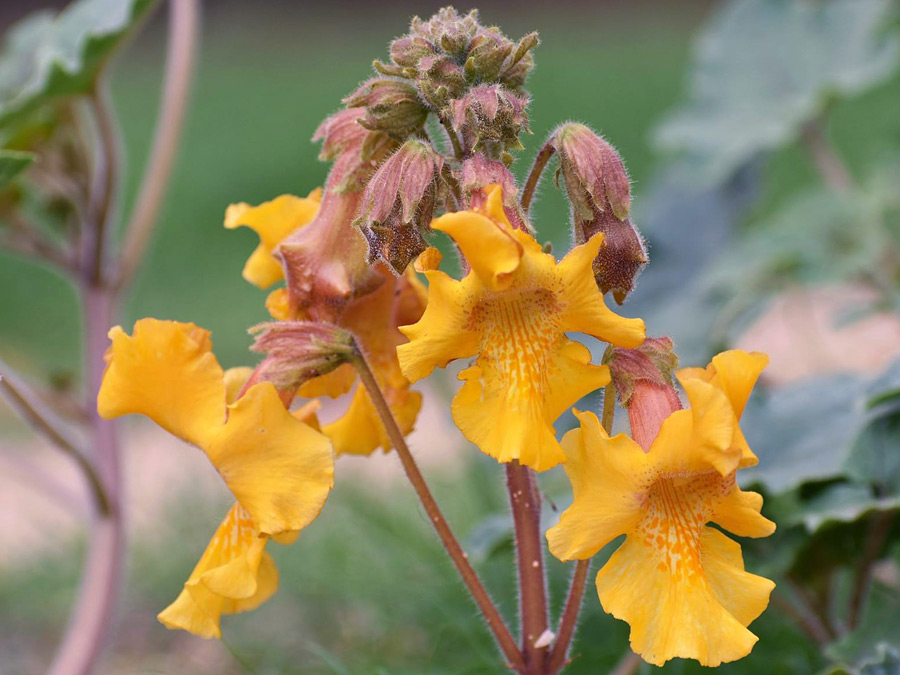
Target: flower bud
[(398, 204), (488, 52), (477, 173), (408, 50), (440, 80), (489, 117), (392, 106), (642, 378), (600, 193), (298, 351)]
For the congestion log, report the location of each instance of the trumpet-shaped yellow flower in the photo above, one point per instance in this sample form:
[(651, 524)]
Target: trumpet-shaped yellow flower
[(272, 221), (678, 582), (235, 574), (512, 311), (279, 469)]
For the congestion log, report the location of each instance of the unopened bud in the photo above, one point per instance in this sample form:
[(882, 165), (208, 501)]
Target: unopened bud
[(642, 378), (398, 204), (440, 80), (408, 50), (488, 51), (297, 351), (490, 117), (600, 193), (477, 173), (392, 106)]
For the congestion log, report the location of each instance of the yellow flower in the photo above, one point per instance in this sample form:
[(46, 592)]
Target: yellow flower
[(272, 221), (512, 311), (235, 574), (279, 469), (679, 583)]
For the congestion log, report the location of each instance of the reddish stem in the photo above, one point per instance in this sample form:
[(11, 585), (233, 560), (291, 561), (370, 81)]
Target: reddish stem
[(525, 501)]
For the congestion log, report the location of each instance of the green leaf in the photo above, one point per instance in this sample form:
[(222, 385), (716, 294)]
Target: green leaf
[(45, 56), (12, 163), (885, 662), (804, 432), (839, 503), (762, 68), (878, 625)]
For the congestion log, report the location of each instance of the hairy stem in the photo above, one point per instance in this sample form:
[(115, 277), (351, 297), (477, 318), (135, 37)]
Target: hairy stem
[(184, 20), (829, 164), (568, 622), (525, 501), (44, 421), (454, 550), (454, 139), (534, 176)]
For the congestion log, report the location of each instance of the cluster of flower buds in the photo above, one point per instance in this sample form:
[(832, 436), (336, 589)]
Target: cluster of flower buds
[(600, 192), (470, 77)]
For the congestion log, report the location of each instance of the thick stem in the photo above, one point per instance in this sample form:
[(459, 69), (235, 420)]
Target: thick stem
[(568, 622), (44, 421), (90, 620), (878, 533), (830, 166), (534, 176), (458, 152), (454, 550), (184, 23), (525, 501)]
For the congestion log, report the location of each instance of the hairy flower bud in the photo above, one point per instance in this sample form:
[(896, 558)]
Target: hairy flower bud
[(477, 173), (398, 204), (298, 351), (600, 193), (392, 106), (440, 80), (488, 52), (408, 50), (643, 381), (489, 118)]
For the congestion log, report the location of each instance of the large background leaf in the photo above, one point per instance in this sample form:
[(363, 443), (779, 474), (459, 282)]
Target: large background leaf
[(47, 56), (12, 163), (765, 67)]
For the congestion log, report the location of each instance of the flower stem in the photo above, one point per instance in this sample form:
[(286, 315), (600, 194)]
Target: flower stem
[(534, 176), (879, 529), (568, 622), (184, 19), (831, 167), (454, 139), (477, 590), (89, 621), (526, 508)]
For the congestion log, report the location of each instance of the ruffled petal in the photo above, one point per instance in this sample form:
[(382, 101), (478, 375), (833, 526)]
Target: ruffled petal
[(584, 309), (272, 221), (442, 334), (235, 574), (672, 611), (489, 247), (609, 477), (743, 595), (166, 371), (280, 470), (739, 512)]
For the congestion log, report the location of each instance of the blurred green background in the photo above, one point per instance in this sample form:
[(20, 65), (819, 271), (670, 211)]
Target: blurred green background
[(367, 588)]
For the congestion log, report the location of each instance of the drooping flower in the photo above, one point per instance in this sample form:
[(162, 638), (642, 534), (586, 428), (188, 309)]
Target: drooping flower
[(678, 582), (279, 469), (512, 311), (235, 574), (272, 221)]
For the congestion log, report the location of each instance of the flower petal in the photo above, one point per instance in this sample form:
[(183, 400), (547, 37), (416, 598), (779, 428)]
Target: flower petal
[(739, 512), (167, 372), (743, 595), (608, 477), (235, 574), (584, 309), (489, 247), (442, 334), (280, 470), (272, 221), (359, 431), (671, 614)]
